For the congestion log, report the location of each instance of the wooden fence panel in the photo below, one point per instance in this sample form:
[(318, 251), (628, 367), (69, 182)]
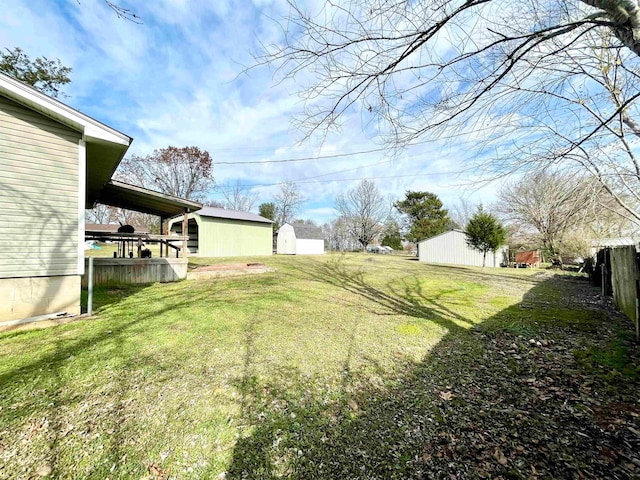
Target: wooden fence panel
[(125, 271), (625, 278)]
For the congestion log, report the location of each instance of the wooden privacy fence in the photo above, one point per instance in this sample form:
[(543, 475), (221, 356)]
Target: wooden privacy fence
[(621, 267), (125, 271)]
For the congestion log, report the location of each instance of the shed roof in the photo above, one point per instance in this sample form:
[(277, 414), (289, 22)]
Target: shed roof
[(231, 214), (527, 256), (448, 232), (307, 232)]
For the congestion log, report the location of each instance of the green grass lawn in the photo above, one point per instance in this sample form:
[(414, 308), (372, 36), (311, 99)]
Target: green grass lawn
[(263, 376)]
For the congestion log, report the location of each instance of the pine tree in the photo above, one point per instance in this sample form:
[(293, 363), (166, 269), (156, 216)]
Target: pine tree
[(485, 233)]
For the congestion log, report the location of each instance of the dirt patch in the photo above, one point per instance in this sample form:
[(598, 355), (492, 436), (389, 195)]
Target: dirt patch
[(229, 266)]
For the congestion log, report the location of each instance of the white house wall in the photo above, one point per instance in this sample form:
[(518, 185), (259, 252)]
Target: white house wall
[(309, 246), (451, 248)]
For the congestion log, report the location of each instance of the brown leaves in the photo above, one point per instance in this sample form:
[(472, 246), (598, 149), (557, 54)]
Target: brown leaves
[(157, 473), (524, 407), (446, 396), (44, 470), (500, 458)]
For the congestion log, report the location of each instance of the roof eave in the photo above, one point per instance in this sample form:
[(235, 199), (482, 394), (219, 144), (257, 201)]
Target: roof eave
[(91, 128)]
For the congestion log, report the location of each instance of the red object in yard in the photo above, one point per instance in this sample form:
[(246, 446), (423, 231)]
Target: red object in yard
[(528, 257)]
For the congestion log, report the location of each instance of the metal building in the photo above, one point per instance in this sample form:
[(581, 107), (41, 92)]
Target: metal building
[(217, 232), (300, 239), (451, 248)]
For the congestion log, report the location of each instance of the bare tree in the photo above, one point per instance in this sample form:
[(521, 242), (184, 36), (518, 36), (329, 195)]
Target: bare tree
[(549, 208), (185, 172), (542, 83), (105, 214), (338, 237), (122, 12), (213, 203), (237, 197), (288, 201), (462, 212), (100, 214), (393, 56), (364, 211), (137, 219), (582, 117)]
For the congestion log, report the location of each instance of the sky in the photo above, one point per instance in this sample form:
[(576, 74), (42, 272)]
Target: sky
[(179, 78)]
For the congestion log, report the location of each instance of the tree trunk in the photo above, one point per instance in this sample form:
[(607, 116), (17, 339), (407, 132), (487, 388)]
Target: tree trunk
[(625, 15), (484, 259)]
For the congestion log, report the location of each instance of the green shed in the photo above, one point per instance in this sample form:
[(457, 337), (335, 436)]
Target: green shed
[(217, 232)]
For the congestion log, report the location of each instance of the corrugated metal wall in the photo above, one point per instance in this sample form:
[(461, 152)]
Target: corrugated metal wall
[(39, 194), (309, 246), (451, 248), (221, 237)]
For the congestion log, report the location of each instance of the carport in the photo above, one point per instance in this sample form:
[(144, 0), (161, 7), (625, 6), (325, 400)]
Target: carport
[(132, 197)]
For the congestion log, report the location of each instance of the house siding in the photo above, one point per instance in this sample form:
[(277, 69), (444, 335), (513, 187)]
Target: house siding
[(39, 196)]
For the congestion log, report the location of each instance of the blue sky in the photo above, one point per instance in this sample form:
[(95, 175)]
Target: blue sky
[(176, 79)]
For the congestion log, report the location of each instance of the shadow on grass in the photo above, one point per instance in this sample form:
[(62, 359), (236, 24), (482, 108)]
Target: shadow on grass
[(484, 403), (56, 369), (468, 409), (411, 301)]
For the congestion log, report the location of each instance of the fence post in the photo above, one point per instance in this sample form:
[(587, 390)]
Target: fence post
[(637, 322), (90, 288)]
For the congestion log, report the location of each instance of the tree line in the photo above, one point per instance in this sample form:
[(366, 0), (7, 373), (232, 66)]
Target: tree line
[(547, 206)]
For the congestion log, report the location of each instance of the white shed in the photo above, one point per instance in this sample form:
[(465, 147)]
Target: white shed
[(300, 239), (451, 248)]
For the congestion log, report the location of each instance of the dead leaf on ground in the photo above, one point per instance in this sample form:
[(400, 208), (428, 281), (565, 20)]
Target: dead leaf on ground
[(446, 396), (44, 470), (500, 458), (156, 472)]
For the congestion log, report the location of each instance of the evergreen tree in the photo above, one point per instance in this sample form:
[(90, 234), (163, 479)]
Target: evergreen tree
[(485, 233), (48, 76), (424, 215), (268, 210), (391, 236)]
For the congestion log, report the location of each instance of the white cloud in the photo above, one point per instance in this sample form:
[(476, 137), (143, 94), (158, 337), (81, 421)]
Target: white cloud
[(176, 80)]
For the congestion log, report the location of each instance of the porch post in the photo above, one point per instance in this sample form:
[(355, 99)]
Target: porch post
[(185, 231), (163, 232)]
